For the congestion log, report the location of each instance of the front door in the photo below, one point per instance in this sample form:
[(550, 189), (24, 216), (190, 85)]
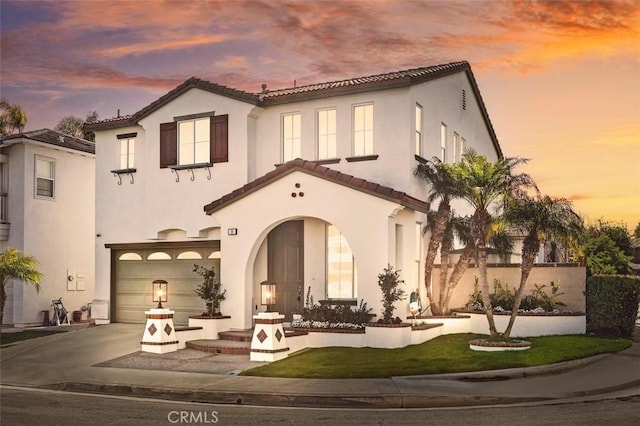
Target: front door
[(286, 266)]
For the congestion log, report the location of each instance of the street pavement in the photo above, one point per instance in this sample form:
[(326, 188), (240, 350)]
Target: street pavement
[(106, 359)]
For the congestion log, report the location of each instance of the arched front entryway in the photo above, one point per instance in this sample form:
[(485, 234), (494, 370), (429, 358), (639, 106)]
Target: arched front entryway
[(305, 257)]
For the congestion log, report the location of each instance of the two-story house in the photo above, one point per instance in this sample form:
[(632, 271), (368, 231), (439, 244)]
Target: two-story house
[(47, 188), (311, 187)]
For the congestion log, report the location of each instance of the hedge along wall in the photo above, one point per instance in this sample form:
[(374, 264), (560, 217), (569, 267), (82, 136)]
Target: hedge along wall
[(571, 277), (612, 304)]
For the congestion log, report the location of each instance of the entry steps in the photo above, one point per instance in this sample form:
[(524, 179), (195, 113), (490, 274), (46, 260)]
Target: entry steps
[(234, 342)]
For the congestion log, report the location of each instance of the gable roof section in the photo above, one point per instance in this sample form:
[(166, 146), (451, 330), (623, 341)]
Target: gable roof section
[(52, 137), (384, 81), (331, 175)]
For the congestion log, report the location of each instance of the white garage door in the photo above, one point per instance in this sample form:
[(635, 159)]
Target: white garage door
[(136, 270)]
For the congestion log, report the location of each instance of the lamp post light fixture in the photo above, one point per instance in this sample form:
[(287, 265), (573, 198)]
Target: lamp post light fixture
[(268, 293), (160, 292)]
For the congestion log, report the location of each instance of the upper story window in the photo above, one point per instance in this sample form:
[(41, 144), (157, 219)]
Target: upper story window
[(455, 146), (462, 148), (45, 177), (443, 142), (291, 136), (363, 130), (326, 125), (195, 139), (127, 151), (418, 129)]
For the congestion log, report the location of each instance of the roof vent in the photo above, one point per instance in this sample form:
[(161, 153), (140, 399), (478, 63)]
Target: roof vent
[(264, 88), (464, 99), (61, 139)]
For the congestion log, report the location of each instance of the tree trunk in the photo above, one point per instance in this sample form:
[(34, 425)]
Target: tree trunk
[(530, 248), (3, 298), (456, 275), (479, 223), (441, 219), (445, 250)]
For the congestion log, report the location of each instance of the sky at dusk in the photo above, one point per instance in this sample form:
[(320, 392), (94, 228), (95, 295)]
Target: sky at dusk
[(561, 80)]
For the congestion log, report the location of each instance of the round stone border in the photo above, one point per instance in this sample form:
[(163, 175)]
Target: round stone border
[(487, 346)]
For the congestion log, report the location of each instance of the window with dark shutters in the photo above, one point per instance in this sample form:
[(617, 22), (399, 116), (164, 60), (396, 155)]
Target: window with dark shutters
[(219, 151), (168, 144)]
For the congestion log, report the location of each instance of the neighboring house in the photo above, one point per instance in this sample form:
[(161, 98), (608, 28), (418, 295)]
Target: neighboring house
[(48, 211), (309, 187)]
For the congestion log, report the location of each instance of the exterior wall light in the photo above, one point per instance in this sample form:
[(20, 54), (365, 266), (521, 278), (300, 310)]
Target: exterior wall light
[(160, 289), (268, 293)]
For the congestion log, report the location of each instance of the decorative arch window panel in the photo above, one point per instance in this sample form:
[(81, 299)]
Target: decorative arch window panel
[(341, 270)]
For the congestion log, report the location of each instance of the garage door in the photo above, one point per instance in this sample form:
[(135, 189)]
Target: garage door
[(135, 270)]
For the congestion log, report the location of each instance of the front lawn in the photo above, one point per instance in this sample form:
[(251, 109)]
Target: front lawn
[(445, 354)]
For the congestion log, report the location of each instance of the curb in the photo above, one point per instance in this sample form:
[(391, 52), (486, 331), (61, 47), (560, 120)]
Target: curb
[(288, 400)]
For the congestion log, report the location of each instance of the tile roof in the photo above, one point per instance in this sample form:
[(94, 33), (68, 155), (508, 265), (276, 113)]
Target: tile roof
[(322, 172), (313, 91), (372, 82), (52, 137)]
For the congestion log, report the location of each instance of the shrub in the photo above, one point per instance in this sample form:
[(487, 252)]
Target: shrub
[(389, 280), (502, 298), (333, 316), (612, 304), (210, 290)]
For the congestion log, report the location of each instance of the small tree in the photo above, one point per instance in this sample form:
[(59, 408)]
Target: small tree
[(209, 290), (389, 280), (16, 266)]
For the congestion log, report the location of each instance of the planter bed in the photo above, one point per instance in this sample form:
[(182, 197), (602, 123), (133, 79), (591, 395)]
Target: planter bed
[(527, 325), (489, 346)]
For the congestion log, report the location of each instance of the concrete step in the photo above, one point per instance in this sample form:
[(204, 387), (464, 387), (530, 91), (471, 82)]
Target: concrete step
[(236, 335), (219, 346)]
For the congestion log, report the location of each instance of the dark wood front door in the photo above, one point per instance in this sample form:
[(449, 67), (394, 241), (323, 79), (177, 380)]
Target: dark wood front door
[(286, 265)]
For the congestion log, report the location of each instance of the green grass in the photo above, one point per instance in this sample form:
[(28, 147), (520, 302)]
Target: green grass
[(445, 354), (9, 338)]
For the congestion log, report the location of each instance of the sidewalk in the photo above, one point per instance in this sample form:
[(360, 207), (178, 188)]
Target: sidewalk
[(70, 361)]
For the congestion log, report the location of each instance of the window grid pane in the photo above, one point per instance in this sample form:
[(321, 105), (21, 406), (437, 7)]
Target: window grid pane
[(45, 170), (291, 136), (443, 142), (418, 130), (194, 141), (363, 130), (326, 134)]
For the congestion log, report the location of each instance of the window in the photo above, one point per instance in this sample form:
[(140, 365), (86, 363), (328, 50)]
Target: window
[(130, 256), (363, 130), (463, 147), (127, 153), (443, 142), (341, 273), (455, 145), (326, 125), (189, 255), (193, 141), (291, 136), (418, 129), (159, 255), (45, 177), (203, 138)]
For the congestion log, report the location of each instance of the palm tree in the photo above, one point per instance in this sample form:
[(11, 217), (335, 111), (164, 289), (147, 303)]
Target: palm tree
[(12, 118), (443, 187), (485, 186), (16, 266), (540, 218)]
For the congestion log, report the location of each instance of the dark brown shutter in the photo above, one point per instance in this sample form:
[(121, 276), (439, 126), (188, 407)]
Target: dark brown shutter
[(168, 144), (219, 149)]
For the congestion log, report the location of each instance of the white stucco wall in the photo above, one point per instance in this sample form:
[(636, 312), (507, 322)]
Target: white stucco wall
[(59, 232), (356, 214)]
